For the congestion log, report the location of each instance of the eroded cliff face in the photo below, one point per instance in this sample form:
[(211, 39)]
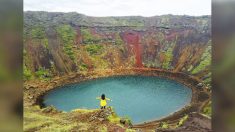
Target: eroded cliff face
[(60, 43)]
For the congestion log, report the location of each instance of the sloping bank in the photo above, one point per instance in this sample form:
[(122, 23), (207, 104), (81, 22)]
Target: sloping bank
[(34, 90)]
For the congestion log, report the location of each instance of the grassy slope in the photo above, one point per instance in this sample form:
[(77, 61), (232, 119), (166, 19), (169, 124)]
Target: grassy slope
[(36, 119)]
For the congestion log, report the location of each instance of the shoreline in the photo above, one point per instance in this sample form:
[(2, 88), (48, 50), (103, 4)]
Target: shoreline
[(35, 90)]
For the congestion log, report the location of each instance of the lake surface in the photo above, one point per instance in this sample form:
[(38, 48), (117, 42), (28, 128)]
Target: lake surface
[(140, 98)]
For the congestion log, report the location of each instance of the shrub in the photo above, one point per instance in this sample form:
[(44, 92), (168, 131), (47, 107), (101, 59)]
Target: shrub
[(114, 118), (94, 48), (27, 75), (205, 61), (164, 125), (168, 54), (103, 129), (168, 58), (207, 109), (118, 39), (83, 67), (39, 33), (67, 35), (182, 120), (87, 37), (43, 74)]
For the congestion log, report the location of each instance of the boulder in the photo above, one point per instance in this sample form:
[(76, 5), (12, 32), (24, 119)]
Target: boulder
[(50, 109)]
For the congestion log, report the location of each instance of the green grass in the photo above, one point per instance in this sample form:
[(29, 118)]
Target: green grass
[(35, 120)]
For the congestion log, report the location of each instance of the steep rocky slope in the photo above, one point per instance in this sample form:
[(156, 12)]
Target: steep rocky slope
[(60, 43)]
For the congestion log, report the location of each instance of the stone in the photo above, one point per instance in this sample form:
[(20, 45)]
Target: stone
[(123, 121), (101, 119), (50, 109), (199, 84)]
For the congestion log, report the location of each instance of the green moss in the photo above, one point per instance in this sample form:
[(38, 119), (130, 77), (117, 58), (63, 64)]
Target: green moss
[(160, 37), (103, 129), (97, 55), (45, 43), (182, 120), (67, 35), (99, 62), (58, 128), (207, 80), (43, 74), (83, 67), (168, 58), (94, 48), (38, 33), (84, 110), (207, 110), (132, 61), (27, 74), (205, 61), (118, 39), (164, 125), (127, 120), (36, 121), (87, 37), (114, 118), (130, 130), (168, 54)]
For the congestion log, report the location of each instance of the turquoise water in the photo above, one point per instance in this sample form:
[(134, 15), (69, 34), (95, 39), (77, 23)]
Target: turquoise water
[(140, 98)]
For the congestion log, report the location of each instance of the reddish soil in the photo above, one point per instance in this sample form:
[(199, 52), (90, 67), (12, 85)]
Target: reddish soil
[(133, 41), (78, 36)]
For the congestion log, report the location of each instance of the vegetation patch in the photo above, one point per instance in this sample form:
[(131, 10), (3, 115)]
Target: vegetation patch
[(38, 33), (27, 74), (87, 37), (43, 74), (205, 60), (207, 110), (94, 48), (182, 120), (67, 35)]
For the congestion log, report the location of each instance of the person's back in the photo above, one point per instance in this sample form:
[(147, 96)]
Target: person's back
[(103, 101)]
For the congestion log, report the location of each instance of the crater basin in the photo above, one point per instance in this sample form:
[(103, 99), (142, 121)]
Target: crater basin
[(141, 98)]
